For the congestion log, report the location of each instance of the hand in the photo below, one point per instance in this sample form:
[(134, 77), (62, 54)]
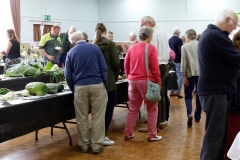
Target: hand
[(50, 58), (185, 81), (59, 49), (125, 45)]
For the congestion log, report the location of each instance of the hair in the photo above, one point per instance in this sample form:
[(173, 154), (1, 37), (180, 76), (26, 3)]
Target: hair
[(72, 28), (55, 27), (198, 37), (191, 34), (183, 38), (236, 40), (85, 36), (176, 30), (109, 32), (148, 19), (99, 29), (145, 32), (119, 47), (133, 34), (75, 36), (224, 14), (12, 35)]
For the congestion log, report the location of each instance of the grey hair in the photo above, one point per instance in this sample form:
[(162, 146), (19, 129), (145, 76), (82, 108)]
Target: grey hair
[(145, 32), (85, 36), (191, 34), (75, 36), (176, 30), (133, 34), (72, 28), (183, 38), (148, 19), (224, 14)]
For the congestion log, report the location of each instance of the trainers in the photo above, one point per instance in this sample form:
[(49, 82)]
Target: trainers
[(143, 130), (108, 142), (171, 94), (128, 137), (189, 122), (157, 138), (84, 150), (164, 123)]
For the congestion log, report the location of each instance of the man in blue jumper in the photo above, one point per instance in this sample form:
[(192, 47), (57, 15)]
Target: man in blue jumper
[(218, 62), (86, 75)]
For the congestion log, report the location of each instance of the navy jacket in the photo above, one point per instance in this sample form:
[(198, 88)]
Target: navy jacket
[(85, 65), (218, 62), (175, 43)]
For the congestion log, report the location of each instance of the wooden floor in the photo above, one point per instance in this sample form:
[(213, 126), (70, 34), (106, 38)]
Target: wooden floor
[(178, 143)]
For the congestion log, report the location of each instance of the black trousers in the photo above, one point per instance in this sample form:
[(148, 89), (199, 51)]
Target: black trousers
[(214, 141)]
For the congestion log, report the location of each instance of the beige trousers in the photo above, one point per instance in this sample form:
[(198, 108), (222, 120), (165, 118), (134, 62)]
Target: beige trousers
[(96, 97)]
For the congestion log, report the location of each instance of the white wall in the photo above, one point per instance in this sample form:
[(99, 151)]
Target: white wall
[(83, 14), (123, 16)]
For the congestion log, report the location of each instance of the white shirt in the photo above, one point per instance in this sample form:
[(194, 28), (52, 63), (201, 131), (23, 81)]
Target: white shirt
[(160, 41)]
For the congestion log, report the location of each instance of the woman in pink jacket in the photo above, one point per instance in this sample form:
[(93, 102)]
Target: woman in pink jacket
[(135, 70)]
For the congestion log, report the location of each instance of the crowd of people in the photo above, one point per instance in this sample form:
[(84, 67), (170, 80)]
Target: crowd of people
[(206, 64)]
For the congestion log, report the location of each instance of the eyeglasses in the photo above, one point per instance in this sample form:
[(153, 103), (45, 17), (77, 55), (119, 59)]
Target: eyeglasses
[(234, 22), (144, 23)]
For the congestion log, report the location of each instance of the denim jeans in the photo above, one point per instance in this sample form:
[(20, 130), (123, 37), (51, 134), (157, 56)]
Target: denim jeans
[(179, 80), (188, 97)]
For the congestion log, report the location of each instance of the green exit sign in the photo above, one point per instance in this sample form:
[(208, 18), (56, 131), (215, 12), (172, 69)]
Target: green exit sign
[(47, 17)]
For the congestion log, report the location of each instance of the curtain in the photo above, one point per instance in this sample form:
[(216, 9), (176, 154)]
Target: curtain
[(47, 28), (36, 32), (15, 10)]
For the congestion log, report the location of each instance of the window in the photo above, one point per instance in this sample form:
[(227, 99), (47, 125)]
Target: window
[(6, 22)]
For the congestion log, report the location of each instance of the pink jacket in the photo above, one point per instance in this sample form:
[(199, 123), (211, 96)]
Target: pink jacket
[(134, 63)]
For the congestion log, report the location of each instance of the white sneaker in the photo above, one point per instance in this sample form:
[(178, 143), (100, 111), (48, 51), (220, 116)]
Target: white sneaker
[(157, 138), (164, 123), (108, 142)]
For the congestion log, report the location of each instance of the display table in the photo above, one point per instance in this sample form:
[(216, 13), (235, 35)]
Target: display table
[(25, 115), (19, 83)]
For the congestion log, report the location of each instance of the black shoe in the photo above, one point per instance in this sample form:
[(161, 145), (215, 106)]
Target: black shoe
[(197, 120), (189, 122)]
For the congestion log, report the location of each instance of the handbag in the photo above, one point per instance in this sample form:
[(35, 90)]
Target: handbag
[(153, 89)]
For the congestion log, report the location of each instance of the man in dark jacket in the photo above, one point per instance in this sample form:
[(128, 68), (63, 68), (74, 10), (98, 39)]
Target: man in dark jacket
[(218, 63), (66, 45)]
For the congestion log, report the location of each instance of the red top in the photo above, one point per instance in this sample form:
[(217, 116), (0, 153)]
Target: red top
[(134, 63)]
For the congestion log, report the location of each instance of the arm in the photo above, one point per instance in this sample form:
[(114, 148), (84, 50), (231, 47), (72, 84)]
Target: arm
[(103, 68), (69, 73), (184, 65), (9, 46), (172, 55), (114, 59), (180, 46), (153, 64), (127, 63)]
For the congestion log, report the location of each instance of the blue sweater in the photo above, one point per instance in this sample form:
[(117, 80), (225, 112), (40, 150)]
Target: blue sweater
[(175, 43), (218, 62), (85, 65)]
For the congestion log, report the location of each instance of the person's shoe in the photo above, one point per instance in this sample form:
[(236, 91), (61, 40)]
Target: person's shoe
[(108, 142), (97, 151), (178, 95), (128, 137), (143, 130), (171, 94), (84, 150), (157, 138), (189, 122), (197, 120), (164, 123)]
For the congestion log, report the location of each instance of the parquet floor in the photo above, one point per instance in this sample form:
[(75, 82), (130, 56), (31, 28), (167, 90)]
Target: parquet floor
[(178, 143)]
